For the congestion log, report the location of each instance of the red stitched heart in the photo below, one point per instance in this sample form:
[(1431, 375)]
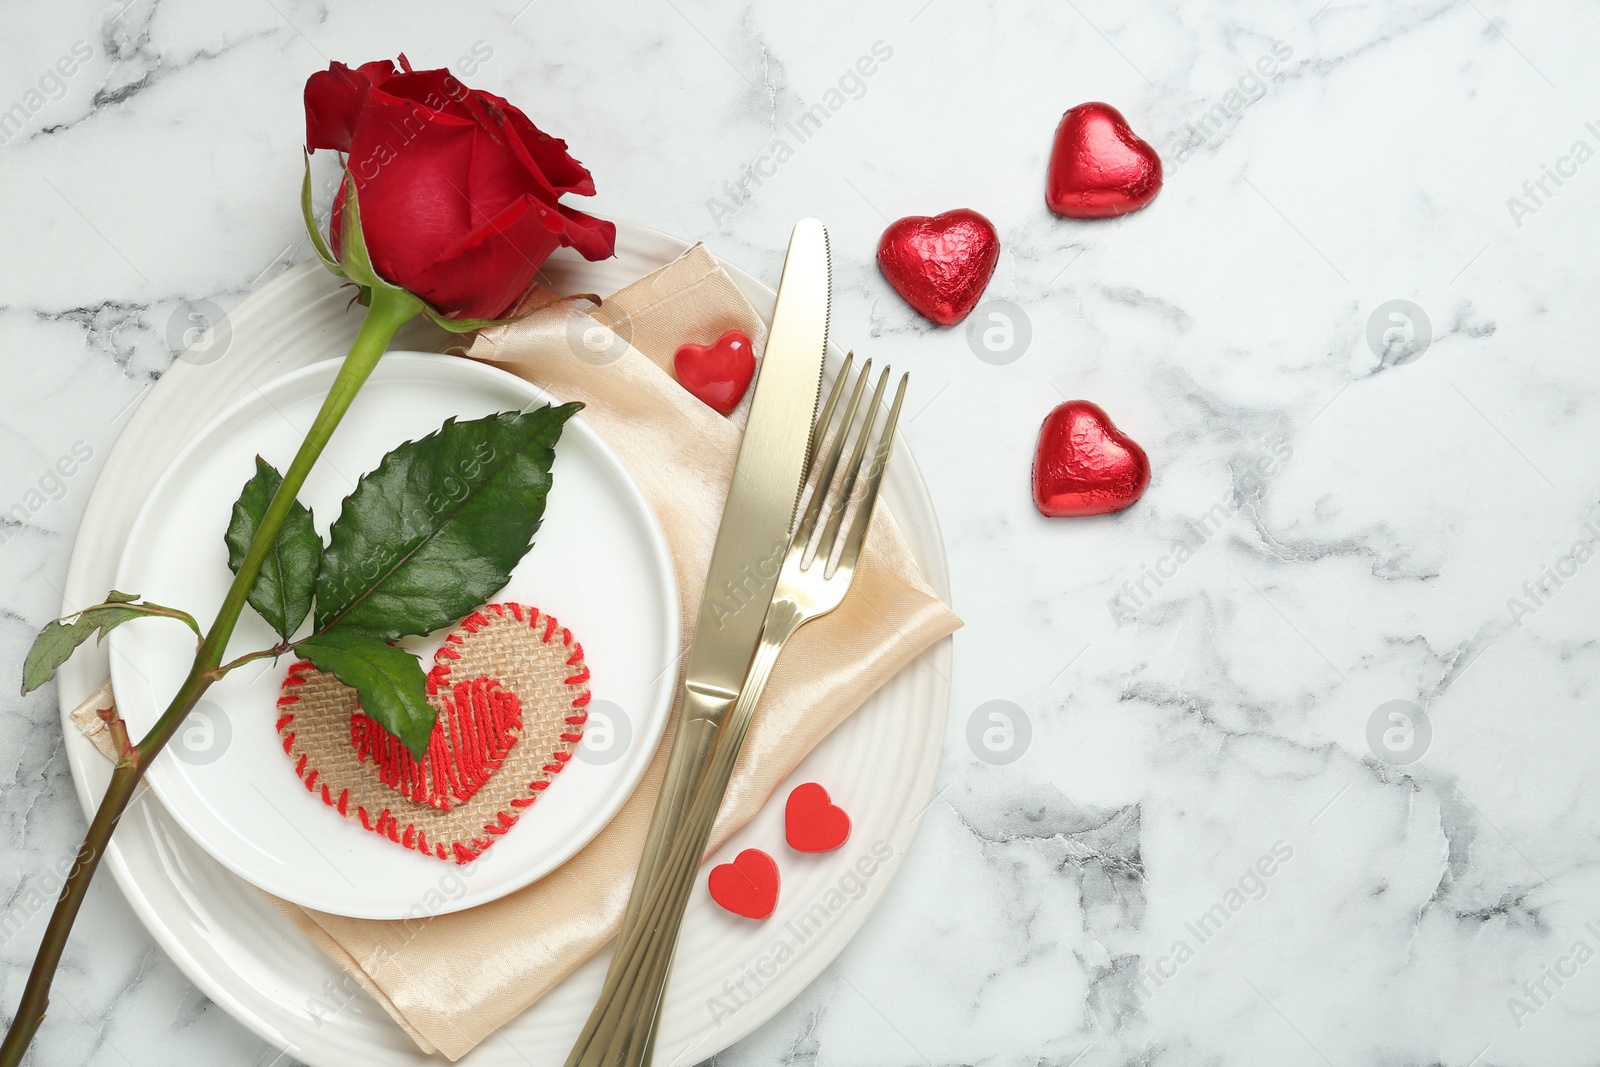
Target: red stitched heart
[(1084, 465), (748, 886), (1100, 168), (812, 822), (506, 728), (478, 723), (717, 373), (940, 264)]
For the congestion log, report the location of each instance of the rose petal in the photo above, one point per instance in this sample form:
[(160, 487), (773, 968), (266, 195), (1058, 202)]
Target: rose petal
[(488, 272), (547, 155), (411, 171), (333, 99), (437, 89), (592, 238), (496, 180)]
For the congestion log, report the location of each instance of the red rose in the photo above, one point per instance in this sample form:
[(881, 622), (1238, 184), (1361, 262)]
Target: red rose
[(460, 192)]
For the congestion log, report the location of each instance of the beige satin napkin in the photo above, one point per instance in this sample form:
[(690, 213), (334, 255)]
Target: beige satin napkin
[(451, 980)]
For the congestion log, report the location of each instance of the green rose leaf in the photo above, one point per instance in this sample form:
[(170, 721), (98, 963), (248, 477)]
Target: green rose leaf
[(436, 529), (282, 591), (59, 639), (387, 678)]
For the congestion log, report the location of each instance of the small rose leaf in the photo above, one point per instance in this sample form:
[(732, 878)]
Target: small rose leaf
[(387, 679), (57, 641), (283, 589)]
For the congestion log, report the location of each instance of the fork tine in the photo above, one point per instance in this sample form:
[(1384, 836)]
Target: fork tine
[(858, 529), (830, 463), (830, 536), (804, 522), (820, 427)]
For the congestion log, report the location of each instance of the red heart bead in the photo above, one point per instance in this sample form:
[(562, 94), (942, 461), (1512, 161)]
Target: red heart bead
[(717, 373), (813, 822), (748, 886), (1085, 465), (940, 264), (1099, 168)]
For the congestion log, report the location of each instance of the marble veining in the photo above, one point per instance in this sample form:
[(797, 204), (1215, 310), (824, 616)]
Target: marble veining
[(1293, 762)]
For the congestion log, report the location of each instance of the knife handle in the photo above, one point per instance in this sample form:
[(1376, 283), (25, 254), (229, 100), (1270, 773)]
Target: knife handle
[(621, 1031), (700, 714)]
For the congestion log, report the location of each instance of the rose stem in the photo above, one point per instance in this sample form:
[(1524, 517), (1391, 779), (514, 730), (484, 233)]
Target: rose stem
[(390, 309)]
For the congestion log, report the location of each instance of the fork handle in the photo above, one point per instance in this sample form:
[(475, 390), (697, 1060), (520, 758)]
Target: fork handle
[(620, 1031)]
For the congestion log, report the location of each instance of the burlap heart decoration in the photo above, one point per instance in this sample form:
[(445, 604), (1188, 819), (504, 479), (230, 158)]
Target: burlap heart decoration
[(512, 692)]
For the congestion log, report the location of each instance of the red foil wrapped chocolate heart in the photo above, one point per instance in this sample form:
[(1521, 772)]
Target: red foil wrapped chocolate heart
[(940, 264), (1100, 168), (1084, 465)]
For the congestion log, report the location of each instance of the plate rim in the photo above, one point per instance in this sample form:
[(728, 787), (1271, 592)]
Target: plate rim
[(159, 776), (79, 677)]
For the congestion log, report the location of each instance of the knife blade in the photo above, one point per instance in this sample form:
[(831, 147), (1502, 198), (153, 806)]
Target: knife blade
[(754, 533)]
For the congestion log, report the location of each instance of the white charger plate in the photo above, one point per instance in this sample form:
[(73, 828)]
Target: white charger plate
[(240, 950), (600, 565)]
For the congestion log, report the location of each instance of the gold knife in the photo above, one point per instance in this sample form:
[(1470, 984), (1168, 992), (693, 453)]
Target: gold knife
[(750, 547)]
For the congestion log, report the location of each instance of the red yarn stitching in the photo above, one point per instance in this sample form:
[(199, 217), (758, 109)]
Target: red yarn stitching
[(483, 719)]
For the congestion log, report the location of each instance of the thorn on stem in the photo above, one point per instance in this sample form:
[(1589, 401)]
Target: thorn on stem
[(119, 731)]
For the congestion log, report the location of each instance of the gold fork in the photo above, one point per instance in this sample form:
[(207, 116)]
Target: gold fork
[(621, 1030)]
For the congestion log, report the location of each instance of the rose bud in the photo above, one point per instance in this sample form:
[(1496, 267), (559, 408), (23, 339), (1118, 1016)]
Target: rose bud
[(459, 193)]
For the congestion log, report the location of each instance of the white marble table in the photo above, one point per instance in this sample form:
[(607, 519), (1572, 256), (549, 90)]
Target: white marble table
[(1213, 843)]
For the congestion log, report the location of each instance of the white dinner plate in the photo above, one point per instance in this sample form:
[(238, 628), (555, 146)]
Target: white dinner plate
[(243, 954), (599, 565)]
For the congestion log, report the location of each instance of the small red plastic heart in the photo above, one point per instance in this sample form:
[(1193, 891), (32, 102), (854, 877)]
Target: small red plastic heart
[(813, 822), (1085, 465), (1100, 168), (748, 886), (940, 264), (717, 373)]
